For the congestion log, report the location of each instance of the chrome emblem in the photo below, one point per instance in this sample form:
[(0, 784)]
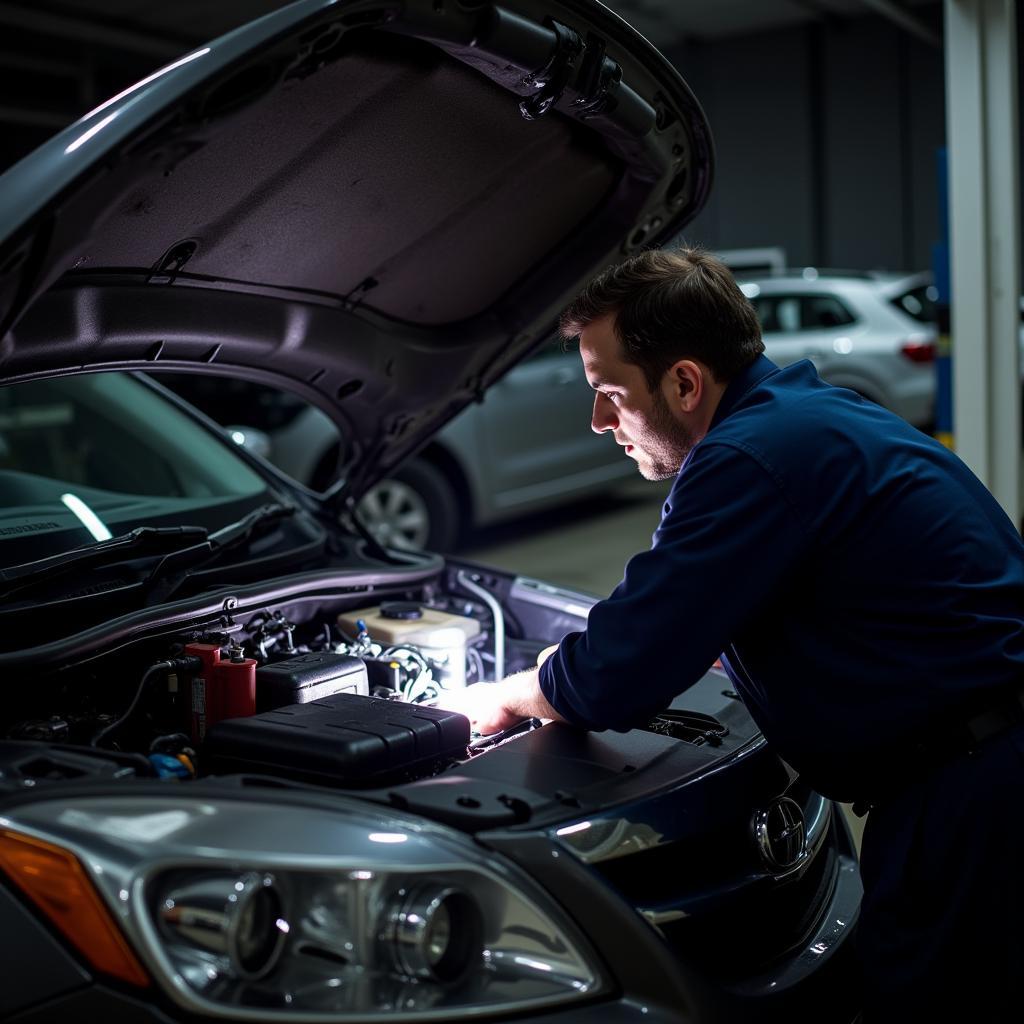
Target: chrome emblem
[(781, 835)]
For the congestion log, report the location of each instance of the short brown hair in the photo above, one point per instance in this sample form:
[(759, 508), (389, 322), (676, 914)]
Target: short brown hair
[(671, 305)]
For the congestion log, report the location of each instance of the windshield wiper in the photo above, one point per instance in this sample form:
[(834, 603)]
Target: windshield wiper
[(183, 547), (174, 568), (238, 532), (141, 541)]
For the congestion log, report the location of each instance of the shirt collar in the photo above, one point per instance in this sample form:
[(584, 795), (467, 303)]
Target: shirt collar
[(748, 378)]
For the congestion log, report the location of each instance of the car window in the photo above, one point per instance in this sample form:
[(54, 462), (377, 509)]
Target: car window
[(110, 431), (227, 400), (111, 443), (286, 430), (822, 311), (918, 302), (778, 312), (801, 312)]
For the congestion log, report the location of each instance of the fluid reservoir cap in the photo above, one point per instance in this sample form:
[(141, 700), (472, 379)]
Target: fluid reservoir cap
[(400, 610)]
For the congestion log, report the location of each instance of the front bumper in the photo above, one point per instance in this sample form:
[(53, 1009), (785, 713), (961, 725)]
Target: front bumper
[(815, 981)]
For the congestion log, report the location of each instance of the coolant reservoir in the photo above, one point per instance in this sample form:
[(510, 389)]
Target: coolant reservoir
[(440, 635)]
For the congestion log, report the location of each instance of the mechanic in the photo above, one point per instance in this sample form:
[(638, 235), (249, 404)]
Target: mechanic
[(865, 593)]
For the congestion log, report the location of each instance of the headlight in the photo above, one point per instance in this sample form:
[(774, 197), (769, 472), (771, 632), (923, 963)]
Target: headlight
[(265, 912), (239, 919), (435, 933)]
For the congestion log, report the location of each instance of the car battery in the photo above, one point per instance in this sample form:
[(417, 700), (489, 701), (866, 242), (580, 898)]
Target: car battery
[(305, 678), (221, 688), (438, 635), (346, 739)]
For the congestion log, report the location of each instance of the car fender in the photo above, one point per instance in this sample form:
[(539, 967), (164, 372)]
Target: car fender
[(856, 370)]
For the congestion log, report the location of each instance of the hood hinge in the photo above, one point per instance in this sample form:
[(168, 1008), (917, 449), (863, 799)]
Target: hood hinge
[(551, 80), (598, 74)]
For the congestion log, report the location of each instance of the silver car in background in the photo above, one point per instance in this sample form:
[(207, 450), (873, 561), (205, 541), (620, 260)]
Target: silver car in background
[(872, 333), (525, 447)]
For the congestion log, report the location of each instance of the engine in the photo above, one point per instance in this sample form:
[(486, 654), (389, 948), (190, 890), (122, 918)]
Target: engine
[(346, 699), (325, 689)]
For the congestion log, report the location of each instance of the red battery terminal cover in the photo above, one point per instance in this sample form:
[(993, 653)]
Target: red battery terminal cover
[(223, 689), (236, 686)]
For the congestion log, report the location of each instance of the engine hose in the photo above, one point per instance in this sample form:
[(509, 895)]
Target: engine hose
[(499, 621)]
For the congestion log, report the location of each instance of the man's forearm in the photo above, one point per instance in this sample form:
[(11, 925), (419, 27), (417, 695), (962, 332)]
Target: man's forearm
[(523, 696)]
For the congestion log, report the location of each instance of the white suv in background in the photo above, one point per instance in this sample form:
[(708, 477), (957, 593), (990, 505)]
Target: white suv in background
[(873, 333)]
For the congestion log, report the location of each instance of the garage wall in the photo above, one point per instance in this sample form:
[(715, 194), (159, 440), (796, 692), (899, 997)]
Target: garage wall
[(753, 89), (827, 138)]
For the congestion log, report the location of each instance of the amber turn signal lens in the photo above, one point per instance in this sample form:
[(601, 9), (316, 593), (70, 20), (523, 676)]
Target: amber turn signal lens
[(55, 881)]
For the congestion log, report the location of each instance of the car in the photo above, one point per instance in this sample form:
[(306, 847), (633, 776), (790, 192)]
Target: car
[(872, 333), (524, 447), (227, 789)]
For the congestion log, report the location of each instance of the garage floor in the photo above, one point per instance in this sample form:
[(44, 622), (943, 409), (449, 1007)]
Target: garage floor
[(585, 545)]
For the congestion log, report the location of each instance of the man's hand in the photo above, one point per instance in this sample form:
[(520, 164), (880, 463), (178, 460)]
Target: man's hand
[(492, 707), (484, 704)]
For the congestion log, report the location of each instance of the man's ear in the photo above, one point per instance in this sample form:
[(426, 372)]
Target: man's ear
[(686, 384)]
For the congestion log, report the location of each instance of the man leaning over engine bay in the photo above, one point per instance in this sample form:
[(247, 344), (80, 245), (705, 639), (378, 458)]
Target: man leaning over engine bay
[(865, 593)]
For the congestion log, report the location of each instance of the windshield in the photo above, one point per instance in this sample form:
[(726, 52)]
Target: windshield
[(94, 455)]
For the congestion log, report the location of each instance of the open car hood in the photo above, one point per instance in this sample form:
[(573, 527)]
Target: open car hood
[(379, 206)]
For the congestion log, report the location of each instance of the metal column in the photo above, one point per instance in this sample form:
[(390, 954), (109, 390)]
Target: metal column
[(982, 136)]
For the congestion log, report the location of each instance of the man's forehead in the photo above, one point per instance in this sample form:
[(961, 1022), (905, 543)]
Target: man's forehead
[(602, 371), (599, 375), (601, 352)]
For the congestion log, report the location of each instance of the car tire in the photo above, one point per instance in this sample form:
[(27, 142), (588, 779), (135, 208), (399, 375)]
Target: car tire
[(415, 508)]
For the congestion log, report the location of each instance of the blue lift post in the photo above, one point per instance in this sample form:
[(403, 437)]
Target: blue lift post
[(944, 355)]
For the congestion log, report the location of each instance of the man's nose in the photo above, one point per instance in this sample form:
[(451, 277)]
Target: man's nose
[(604, 417)]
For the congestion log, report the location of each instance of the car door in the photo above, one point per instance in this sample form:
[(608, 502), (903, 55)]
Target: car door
[(785, 338), (537, 436)]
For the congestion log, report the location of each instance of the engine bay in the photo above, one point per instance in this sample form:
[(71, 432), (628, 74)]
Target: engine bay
[(336, 691)]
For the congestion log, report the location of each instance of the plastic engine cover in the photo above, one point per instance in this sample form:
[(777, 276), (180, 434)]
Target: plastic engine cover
[(343, 739)]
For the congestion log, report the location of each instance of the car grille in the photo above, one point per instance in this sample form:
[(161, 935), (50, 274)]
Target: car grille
[(757, 926), (732, 915)]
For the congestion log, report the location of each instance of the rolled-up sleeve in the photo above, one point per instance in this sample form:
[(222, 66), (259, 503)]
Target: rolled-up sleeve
[(729, 537)]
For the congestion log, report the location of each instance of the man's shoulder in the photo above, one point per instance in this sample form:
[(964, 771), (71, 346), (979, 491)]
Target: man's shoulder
[(793, 406), (782, 406), (801, 428)]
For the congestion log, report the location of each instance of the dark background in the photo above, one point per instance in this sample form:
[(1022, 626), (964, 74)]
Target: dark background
[(827, 116)]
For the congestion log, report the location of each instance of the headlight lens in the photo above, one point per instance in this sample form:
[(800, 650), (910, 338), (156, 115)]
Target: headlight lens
[(435, 933), (268, 912), (237, 919)]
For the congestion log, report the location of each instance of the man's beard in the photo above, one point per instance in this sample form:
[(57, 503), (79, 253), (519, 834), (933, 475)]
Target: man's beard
[(663, 444)]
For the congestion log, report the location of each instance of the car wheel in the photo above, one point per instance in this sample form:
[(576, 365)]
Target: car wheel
[(415, 508)]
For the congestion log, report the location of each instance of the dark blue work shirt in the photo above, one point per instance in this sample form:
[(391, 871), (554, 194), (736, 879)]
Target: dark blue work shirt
[(861, 582)]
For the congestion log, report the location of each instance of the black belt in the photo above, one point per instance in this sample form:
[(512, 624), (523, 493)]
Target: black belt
[(1004, 711)]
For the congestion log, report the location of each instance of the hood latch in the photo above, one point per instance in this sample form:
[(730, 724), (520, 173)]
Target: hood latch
[(167, 268)]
